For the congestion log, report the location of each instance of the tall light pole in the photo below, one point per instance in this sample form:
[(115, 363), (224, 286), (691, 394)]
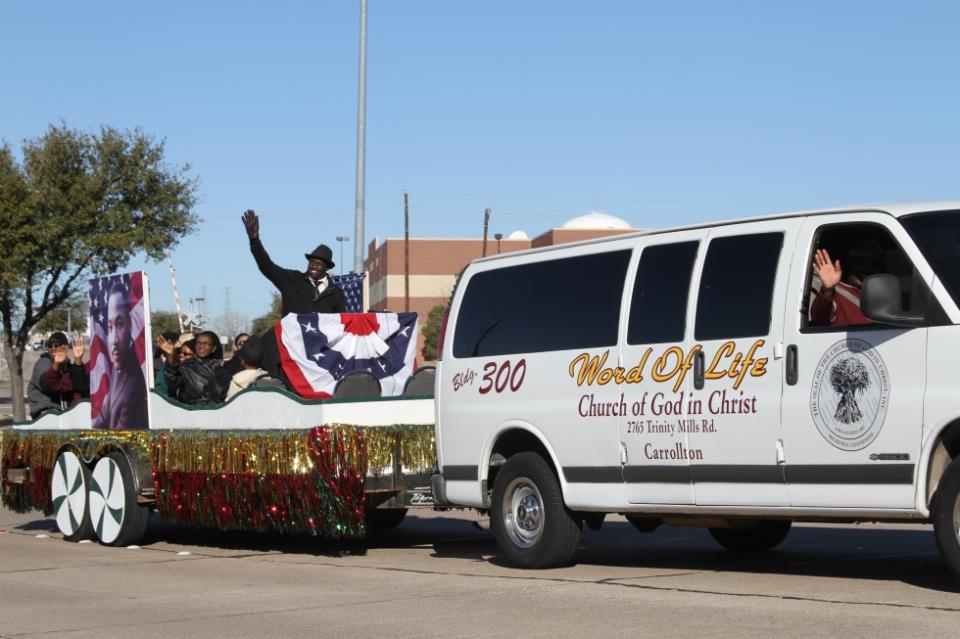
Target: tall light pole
[(361, 143), (342, 239)]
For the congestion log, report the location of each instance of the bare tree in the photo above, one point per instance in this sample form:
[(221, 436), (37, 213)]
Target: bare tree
[(849, 377)]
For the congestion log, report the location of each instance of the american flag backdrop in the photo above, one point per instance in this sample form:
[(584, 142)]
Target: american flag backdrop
[(352, 286), (135, 285)]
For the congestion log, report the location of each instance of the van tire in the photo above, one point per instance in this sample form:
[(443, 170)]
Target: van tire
[(946, 516), (760, 536), (532, 526)]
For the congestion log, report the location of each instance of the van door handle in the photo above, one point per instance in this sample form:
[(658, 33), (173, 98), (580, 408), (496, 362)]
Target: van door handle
[(698, 370), (793, 373)]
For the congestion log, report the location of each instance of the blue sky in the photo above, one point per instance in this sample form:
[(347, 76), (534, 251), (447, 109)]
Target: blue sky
[(659, 113)]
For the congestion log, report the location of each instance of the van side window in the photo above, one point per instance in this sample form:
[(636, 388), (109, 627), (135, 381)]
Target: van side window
[(736, 287), (548, 305), (841, 257), (658, 309)]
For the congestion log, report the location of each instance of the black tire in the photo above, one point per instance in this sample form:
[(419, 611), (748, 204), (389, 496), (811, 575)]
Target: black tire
[(70, 496), (384, 518), (758, 536), (946, 516), (118, 519), (532, 526)]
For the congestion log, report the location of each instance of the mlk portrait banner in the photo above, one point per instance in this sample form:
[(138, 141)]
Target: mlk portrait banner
[(121, 370)]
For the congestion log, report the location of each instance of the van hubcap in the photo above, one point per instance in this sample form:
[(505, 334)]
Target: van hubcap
[(523, 512), (956, 519)]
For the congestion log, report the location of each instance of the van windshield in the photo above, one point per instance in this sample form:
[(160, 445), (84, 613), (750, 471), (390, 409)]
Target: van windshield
[(936, 235)]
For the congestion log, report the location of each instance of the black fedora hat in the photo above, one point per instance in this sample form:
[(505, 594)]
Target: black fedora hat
[(322, 253)]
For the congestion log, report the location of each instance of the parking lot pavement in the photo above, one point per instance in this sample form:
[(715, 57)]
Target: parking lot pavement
[(437, 575)]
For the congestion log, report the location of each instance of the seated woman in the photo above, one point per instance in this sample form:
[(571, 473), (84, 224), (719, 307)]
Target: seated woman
[(251, 375), (200, 379)]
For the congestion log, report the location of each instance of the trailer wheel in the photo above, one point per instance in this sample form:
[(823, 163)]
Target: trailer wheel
[(530, 522), (384, 518), (117, 517), (762, 535), (946, 516), (69, 496)]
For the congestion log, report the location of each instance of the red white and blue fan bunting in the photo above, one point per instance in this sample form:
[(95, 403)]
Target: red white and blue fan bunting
[(317, 349)]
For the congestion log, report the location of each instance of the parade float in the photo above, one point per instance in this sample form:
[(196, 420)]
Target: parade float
[(269, 459)]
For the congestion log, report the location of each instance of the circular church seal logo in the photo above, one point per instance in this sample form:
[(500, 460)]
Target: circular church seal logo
[(848, 398)]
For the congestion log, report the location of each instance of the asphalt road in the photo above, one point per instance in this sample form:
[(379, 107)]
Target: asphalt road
[(437, 575)]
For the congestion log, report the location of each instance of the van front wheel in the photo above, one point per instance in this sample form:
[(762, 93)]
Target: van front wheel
[(532, 526), (756, 537), (946, 516)]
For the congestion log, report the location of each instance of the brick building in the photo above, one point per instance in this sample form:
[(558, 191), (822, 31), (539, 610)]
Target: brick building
[(436, 262)]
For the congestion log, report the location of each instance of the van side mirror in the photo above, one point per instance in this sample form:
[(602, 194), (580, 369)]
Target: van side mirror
[(881, 300)]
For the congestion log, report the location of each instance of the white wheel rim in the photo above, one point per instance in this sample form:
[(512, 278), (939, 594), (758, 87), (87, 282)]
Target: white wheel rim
[(523, 513), (107, 499), (68, 492), (956, 520)]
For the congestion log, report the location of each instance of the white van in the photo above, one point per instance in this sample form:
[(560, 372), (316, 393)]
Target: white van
[(701, 376)]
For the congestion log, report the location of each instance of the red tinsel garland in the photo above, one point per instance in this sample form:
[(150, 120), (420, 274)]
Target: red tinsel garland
[(328, 501)]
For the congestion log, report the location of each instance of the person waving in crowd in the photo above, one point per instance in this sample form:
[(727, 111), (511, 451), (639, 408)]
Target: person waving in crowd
[(200, 379)]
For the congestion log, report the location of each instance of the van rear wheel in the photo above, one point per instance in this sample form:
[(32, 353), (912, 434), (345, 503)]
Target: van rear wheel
[(755, 537), (946, 516), (532, 526)]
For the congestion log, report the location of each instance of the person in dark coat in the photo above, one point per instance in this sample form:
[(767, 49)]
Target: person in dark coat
[(310, 291), (67, 378), (200, 379), (234, 365), (56, 383)]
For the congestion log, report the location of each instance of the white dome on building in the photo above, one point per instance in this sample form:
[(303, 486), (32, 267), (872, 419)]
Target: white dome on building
[(518, 235), (596, 220)]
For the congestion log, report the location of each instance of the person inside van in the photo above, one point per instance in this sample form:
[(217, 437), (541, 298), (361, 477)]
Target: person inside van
[(837, 303)]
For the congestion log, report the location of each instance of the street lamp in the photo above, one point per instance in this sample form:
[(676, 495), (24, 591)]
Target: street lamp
[(342, 239), (498, 237)]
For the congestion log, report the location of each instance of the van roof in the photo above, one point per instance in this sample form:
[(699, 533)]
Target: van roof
[(895, 209)]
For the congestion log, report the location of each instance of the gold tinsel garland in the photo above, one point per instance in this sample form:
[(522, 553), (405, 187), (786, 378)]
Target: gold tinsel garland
[(266, 452)]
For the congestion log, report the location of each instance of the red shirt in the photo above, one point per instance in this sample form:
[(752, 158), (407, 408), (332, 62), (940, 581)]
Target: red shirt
[(839, 311)]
